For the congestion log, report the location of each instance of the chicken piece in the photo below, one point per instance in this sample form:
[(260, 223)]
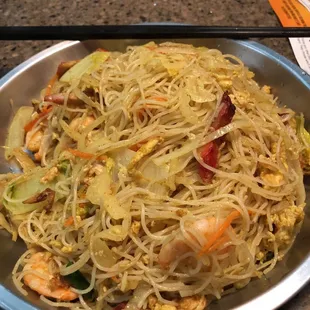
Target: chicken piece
[(193, 303), (54, 287), (95, 170), (144, 150), (50, 175), (35, 141), (285, 222)]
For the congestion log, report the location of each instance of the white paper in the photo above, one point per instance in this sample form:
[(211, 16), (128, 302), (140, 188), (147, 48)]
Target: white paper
[(305, 3), (301, 49)]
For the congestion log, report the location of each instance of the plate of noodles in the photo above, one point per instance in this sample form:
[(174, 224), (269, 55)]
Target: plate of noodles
[(154, 175)]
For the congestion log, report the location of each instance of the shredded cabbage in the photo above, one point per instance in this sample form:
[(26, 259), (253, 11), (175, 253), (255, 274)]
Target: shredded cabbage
[(16, 133), (87, 65), (99, 193), (25, 187)]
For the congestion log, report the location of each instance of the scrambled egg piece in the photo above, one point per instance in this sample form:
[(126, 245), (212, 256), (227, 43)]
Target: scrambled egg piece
[(153, 304), (285, 223), (135, 227), (144, 150), (266, 89), (188, 303), (50, 175), (109, 163), (272, 177), (66, 249), (240, 99), (181, 212), (82, 210), (55, 243), (145, 259), (130, 285), (193, 303), (260, 255)]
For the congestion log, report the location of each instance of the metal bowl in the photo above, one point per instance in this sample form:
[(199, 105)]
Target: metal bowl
[(289, 83)]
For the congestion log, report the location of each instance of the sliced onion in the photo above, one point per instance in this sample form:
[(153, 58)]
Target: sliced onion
[(159, 189), (101, 253), (155, 173), (114, 233), (142, 291), (4, 223), (112, 206), (195, 88), (123, 156), (100, 186), (185, 149)]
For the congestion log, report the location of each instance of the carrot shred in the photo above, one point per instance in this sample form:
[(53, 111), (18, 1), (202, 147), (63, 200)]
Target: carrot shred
[(69, 221), (213, 238), (101, 50), (85, 155), (51, 84), (217, 244), (162, 99), (32, 123)]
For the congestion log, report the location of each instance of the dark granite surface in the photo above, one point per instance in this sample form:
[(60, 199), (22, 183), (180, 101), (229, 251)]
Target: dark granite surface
[(97, 12)]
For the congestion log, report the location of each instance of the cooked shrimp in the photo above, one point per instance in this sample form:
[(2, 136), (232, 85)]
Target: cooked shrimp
[(50, 285), (177, 247)]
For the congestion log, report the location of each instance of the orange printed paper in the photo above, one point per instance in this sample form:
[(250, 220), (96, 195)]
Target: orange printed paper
[(291, 13)]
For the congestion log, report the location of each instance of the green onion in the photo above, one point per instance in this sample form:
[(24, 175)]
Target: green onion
[(78, 281)]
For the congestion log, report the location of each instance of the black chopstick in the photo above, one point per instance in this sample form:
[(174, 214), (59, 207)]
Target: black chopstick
[(146, 32)]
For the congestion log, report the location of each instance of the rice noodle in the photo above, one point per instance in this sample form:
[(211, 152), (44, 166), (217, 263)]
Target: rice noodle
[(155, 106)]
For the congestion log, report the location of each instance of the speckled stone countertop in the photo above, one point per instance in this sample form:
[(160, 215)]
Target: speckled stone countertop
[(98, 12)]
